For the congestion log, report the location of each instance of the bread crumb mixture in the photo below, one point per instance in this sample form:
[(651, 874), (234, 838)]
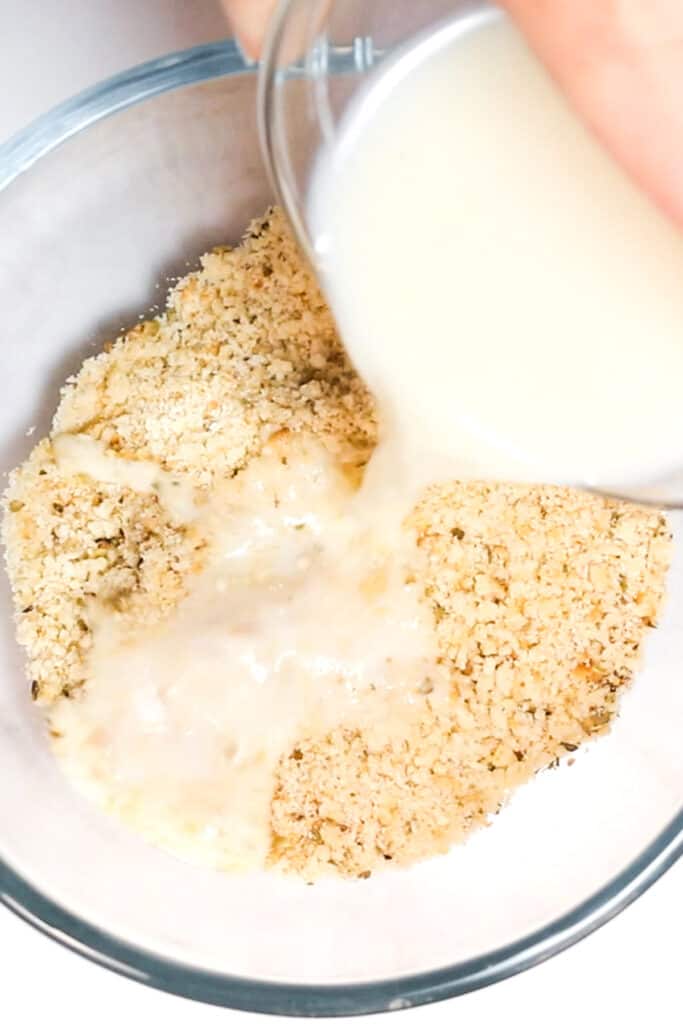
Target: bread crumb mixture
[(306, 616), (193, 495)]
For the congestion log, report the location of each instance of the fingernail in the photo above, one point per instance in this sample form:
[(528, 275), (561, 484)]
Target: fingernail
[(249, 61)]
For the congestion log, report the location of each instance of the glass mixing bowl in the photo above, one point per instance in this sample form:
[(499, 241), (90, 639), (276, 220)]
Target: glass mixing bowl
[(101, 201)]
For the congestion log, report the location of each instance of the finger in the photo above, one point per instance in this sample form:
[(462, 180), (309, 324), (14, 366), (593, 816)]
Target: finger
[(621, 64), (249, 19)]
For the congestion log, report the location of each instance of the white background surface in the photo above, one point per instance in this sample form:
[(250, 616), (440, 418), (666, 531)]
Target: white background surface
[(629, 970)]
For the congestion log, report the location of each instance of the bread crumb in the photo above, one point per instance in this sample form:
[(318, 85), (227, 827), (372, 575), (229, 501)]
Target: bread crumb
[(541, 596)]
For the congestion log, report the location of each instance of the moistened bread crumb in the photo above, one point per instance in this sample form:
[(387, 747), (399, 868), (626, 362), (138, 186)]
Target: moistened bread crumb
[(540, 596)]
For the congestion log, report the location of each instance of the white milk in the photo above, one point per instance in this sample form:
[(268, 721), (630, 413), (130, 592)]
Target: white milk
[(511, 298), (304, 619)]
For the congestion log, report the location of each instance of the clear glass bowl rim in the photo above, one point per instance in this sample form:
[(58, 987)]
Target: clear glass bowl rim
[(17, 154)]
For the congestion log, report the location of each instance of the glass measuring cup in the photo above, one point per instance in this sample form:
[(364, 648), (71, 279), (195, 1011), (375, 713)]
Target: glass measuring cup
[(319, 57)]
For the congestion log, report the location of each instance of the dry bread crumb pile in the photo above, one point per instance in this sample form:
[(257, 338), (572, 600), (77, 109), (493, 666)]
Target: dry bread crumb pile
[(541, 596)]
